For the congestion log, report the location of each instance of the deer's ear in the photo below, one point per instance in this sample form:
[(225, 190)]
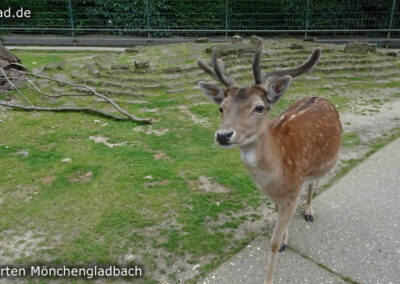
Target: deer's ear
[(277, 89), (214, 93)]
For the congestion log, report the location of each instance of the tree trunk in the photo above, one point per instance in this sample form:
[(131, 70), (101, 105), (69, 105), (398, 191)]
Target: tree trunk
[(6, 57), (8, 62)]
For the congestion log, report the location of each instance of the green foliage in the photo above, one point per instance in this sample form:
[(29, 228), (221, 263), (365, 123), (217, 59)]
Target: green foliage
[(204, 15)]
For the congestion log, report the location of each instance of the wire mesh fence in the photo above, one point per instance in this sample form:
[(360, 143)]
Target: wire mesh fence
[(164, 18)]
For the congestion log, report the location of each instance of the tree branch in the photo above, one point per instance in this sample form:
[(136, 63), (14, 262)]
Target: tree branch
[(63, 109), (94, 92), (12, 85), (53, 96)]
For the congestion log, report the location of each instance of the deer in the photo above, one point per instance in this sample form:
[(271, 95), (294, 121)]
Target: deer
[(282, 153)]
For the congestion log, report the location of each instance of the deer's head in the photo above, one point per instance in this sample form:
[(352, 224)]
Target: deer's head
[(245, 110)]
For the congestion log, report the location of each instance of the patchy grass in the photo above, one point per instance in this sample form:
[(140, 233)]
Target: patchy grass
[(341, 103), (35, 58), (351, 139), (100, 204), (374, 146), (105, 218)]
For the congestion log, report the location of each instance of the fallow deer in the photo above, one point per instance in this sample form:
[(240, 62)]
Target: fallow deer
[(280, 154)]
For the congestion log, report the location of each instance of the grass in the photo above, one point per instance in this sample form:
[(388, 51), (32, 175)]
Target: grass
[(102, 219), (351, 139), (164, 222), (115, 213), (374, 146), (340, 102), (35, 58)]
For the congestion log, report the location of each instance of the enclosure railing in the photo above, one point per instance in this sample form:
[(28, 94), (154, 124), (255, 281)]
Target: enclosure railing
[(164, 18)]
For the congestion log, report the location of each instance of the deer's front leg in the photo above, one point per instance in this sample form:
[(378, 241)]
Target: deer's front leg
[(285, 213), (284, 240)]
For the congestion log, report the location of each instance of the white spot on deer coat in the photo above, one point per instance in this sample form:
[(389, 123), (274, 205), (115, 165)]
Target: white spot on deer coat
[(248, 157)]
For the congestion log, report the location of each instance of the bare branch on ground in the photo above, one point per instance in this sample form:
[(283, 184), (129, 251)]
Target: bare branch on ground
[(92, 91), (63, 109), (12, 85)]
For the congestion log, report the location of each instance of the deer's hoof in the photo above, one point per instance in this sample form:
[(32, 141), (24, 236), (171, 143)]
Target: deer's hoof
[(282, 248), (309, 218)]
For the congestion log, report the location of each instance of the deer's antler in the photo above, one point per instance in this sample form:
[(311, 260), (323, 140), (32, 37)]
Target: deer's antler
[(258, 75), (217, 72), (261, 78)]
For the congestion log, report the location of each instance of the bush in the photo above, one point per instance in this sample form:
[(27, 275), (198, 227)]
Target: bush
[(203, 15)]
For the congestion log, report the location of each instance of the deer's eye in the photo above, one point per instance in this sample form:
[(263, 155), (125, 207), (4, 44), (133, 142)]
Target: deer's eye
[(221, 110), (259, 109)]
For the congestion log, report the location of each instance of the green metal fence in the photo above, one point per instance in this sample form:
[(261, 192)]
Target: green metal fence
[(204, 17)]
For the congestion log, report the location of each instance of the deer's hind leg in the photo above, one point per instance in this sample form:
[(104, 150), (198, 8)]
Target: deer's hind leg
[(308, 215)]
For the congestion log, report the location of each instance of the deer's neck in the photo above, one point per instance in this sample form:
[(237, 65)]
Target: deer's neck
[(261, 153), (261, 158)]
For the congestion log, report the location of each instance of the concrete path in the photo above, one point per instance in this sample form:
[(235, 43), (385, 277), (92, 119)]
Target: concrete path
[(355, 236), (68, 48), (109, 40), (96, 40)]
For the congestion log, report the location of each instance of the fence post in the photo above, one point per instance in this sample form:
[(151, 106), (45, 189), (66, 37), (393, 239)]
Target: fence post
[(147, 18), (226, 19), (307, 18), (390, 22), (71, 19)]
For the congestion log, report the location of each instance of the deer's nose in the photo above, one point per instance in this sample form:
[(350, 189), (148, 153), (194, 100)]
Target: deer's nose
[(223, 138)]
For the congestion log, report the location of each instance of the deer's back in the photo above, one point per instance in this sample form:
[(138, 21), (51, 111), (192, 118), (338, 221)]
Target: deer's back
[(310, 135)]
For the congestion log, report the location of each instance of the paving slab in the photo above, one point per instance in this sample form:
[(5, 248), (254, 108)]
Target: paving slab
[(249, 266), (356, 231)]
